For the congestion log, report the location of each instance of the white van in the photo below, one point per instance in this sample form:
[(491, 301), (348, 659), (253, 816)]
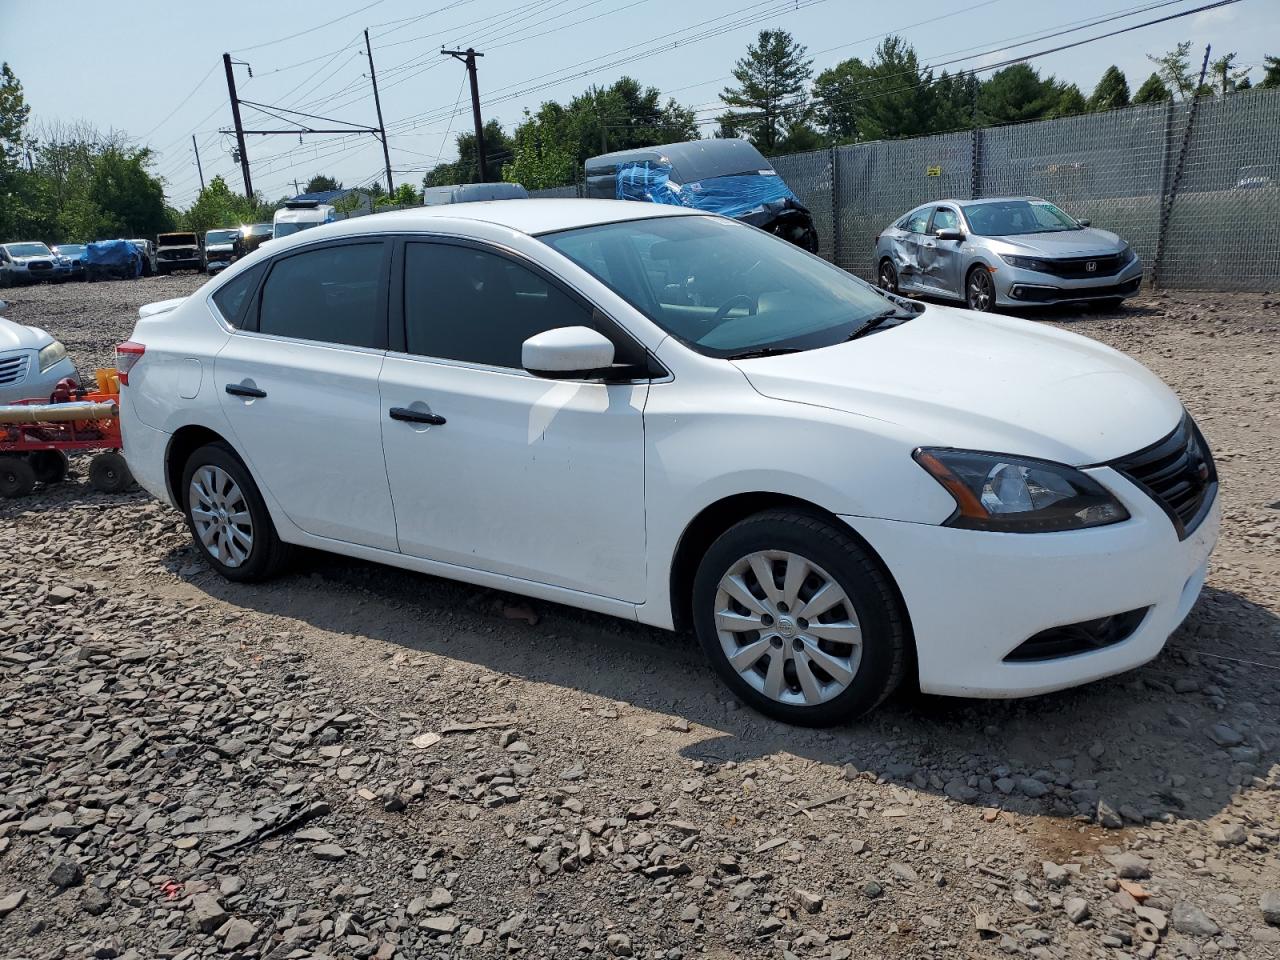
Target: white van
[(298, 215)]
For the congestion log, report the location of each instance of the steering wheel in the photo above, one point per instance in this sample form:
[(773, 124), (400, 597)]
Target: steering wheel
[(751, 302)]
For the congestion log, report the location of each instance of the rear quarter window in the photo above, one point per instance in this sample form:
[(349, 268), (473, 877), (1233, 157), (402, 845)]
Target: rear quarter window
[(232, 297)]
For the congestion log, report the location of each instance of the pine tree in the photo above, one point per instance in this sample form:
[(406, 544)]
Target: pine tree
[(1271, 78), (1174, 68), (771, 85), (1227, 78), (1152, 91), (1111, 92)]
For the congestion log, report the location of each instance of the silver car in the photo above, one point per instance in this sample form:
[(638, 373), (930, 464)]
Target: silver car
[(1004, 252), (31, 362)]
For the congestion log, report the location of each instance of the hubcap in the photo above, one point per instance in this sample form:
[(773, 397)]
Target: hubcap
[(788, 628), (221, 516)]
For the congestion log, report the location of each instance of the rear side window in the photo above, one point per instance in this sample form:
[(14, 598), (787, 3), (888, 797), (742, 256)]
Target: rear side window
[(331, 294), (232, 296)]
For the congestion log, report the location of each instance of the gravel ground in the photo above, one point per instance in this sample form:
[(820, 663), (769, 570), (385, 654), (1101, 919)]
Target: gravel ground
[(356, 761)]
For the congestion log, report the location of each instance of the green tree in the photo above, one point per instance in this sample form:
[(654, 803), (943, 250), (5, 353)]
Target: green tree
[(130, 199), (322, 184), (544, 151), (14, 113), (1152, 90), (771, 88), (405, 195), (1227, 77), (1070, 102), (1174, 68), (1271, 75), (1018, 93), (497, 150), (1111, 92), (219, 206)]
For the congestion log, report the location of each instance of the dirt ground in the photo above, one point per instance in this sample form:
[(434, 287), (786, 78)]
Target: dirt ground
[(355, 761)]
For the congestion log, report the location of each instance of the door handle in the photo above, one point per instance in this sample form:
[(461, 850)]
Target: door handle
[(239, 390), (930, 245), (415, 416)]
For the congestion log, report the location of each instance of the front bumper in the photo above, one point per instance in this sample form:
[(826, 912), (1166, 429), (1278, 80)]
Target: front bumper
[(180, 263), (1017, 287), (37, 383), (974, 597)]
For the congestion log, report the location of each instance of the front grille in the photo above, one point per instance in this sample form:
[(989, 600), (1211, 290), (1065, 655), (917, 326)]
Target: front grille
[(1178, 473), (1083, 637), (35, 266), (13, 369), (1077, 268)]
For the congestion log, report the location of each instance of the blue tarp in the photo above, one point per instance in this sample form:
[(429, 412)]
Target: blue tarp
[(733, 196), (120, 255)]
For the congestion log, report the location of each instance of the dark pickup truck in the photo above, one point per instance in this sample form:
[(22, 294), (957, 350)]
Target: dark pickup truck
[(179, 251)]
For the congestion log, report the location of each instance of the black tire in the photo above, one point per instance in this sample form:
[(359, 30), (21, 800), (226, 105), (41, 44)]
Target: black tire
[(109, 473), (887, 276), (884, 634), (17, 479), (50, 466), (980, 290), (162, 271), (269, 555)]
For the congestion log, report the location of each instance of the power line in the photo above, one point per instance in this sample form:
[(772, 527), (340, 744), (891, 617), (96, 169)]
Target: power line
[(303, 33)]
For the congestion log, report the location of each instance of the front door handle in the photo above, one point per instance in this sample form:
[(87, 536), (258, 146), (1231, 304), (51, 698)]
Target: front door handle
[(240, 390), (415, 416)]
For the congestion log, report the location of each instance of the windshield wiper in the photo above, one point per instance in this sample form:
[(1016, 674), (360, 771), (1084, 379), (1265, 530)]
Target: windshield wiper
[(872, 322), (762, 352)]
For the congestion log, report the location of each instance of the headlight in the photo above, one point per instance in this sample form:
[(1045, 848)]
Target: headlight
[(1127, 255), (1026, 263), (51, 354), (1017, 494)]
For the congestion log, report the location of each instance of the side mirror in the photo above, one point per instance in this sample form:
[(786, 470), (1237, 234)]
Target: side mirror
[(950, 233), (1084, 223), (567, 353)]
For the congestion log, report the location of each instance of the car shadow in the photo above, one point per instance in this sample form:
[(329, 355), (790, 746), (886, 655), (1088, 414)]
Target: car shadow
[(1140, 742)]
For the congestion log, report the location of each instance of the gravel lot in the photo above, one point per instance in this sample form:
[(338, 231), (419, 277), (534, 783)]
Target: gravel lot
[(361, 762)]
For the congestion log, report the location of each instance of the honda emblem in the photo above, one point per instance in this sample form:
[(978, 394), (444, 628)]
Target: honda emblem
[(1091, 266)]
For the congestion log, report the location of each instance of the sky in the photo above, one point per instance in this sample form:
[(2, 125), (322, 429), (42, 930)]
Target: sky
[(157, 74)]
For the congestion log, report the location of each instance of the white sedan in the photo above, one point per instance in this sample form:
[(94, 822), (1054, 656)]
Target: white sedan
[(682, 420)]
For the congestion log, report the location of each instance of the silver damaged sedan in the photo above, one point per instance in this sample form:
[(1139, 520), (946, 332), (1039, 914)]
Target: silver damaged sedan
[(1004, 252)]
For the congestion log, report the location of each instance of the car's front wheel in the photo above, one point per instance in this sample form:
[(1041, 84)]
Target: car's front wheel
[(798, 618), (980, 290), (228, 518), (887, 278)]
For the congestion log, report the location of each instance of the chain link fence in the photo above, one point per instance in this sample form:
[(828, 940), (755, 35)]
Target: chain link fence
[(1197, 189)]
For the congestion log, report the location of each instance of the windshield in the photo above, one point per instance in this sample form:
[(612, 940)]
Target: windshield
[(176, 240), (28, 250), (283, 229), (71, 249), (1009, 218), (221, 236), (721, 287)]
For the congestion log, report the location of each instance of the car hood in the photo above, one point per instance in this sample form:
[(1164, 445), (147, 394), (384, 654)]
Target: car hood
[(38, 256), (956, 378), (221, 248), (1064, 243), (14, 336)]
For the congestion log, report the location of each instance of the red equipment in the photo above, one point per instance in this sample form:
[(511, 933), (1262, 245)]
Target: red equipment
[(36, 451)]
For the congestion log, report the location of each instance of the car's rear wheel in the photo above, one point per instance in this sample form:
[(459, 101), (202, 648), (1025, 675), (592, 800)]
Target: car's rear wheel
[(50, 466), (228, 517), (17, 479), (887, 277), (980, 290), (798, 619)]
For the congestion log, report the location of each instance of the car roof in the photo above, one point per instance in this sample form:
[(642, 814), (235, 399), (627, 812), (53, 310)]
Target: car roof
[(984, 200)]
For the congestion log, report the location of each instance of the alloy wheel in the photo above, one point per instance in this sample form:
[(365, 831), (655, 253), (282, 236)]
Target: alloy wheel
[(980, 290), (788, 628), (221, 515)]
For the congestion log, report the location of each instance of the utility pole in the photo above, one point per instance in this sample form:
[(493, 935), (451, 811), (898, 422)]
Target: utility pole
[(199, 169), (296, 189), (235, 116), (468, 56), (382, 130)]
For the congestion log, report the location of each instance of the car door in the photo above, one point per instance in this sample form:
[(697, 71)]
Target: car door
[(906, 250), (299, 387), (503, 471), (940, 260)]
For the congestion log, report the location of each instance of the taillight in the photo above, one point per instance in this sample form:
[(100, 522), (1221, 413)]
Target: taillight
[(127, 354)]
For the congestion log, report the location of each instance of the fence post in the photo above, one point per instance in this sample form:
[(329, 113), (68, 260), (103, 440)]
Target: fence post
[(1166, 150), (975, 155), (1166, 206), (837, 248)]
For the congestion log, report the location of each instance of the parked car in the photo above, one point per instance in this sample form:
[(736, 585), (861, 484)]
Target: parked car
[(31, 362), (73, 254), (222, 248), (31, 262), (1004, 252), (728, 176), (148, 251), (112, 260), (472, 192), (1256, 177), (676, 418), (179, 251), (298, 215), (255, 234)]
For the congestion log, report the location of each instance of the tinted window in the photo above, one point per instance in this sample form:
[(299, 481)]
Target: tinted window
[(329, 294), (230, 297), (464, 304)]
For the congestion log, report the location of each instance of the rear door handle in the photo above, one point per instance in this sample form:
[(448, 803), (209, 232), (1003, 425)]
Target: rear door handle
[(415, 416), (240, 390)]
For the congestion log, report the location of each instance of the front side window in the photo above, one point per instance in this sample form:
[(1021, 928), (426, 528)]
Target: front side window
[(461, 303), (945, 218), (331, 294), (918, 222), (721, 287), (1009, 218)]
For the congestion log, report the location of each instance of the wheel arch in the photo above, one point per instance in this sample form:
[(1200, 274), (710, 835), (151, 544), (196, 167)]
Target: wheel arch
[(184, 442), (714, 519)]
